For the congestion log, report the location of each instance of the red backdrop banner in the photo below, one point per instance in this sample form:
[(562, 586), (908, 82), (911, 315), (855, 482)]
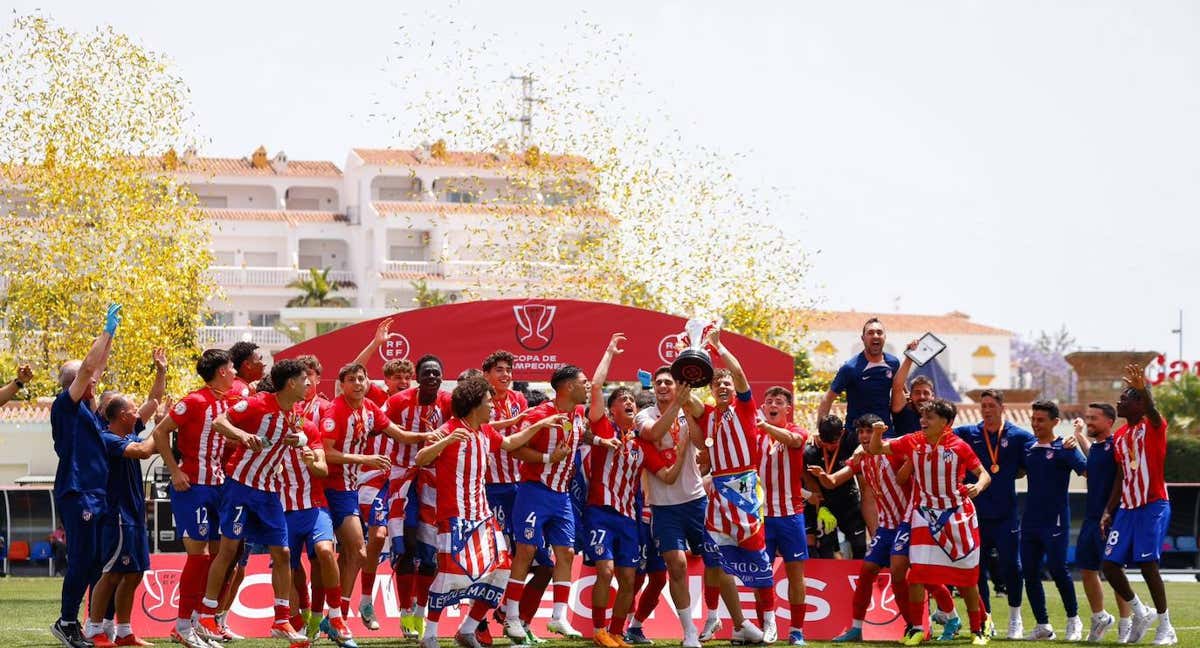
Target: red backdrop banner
[(543, 334), (830, 587)]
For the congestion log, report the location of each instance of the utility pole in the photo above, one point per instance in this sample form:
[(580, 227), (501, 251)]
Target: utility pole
[(527, 101), (1179, 332)]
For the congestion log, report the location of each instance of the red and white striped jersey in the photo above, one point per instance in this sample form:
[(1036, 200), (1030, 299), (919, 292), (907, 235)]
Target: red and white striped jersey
[(238, 390), (347, 429), (405, 410), (556, 476), (615, 475), (734, 433), (314, 410), (506, 469), (892, 498), (377, 395), (299, 489), (1141, 452), (938, 469), (459, 472), (782, 471), (201, 448), (261, 416)]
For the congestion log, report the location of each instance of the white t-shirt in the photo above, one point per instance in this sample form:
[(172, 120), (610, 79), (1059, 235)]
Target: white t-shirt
[(688, 487)]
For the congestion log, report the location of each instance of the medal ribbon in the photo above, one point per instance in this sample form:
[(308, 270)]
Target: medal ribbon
[(993, 453)]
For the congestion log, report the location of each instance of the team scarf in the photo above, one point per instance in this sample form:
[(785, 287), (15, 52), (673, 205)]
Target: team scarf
[(944, 545), (734, 522), (473, 563)]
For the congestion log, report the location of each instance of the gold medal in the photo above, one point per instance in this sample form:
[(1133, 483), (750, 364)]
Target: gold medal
[(995, 469)]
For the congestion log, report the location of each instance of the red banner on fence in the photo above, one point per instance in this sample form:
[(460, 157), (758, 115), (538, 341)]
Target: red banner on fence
[(830, 587)]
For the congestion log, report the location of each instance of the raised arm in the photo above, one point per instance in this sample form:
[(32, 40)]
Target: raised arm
[(826, 404), (1135, 377), (158, 389), (740, 384), (140, 449), (381, 335), (1081, 439), (900, 380), (596, 402), (7, 392), (830, 482), (97, 357), (654, 431), (786, 437)]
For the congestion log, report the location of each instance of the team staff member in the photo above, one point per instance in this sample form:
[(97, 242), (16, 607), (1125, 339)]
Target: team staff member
[(906, 403), (1000, 446), (831, 452), (1097, 444), (81, 478), (866, 379)]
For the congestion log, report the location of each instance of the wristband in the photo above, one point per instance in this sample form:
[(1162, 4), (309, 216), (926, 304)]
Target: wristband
[(546, 457)]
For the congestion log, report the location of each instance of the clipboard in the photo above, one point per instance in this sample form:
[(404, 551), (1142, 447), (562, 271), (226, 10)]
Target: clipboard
[(928, 347)]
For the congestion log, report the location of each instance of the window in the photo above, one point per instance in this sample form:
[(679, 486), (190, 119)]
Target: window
[(310, 204), (219, 202), (219, 318), (459, 196), (310, 261), (264, 318), (224, 258), (395, 193), (261, 259), (406, 253)]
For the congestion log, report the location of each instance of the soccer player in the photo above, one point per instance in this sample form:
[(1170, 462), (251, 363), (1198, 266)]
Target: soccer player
[(126, 553), (309, 525), (251, 509), (422, 409), (351, 420), (196, 480), (1136, 529), (944, 543), (503, 472), (612, 512), (24, 376), (834, 447), (248, 365), (730, 432), (678, 510), (81, 476), (786, 486), (1000, 446), (1046, 523), (542, 510), (473, 561), (1097, 444)]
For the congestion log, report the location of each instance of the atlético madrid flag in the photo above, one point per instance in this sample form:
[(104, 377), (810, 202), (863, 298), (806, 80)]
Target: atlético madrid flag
[(830, 590)]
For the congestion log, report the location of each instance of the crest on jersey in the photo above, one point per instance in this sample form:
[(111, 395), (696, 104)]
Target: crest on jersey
[(947, 456), (87, 515), (1004, 442), (241, 406), (535, 325), (1049, 454), (181, 408), (327, 424)]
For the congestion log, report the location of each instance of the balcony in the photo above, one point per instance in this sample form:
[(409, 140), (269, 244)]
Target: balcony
[(225, 336), (268, 277), (527, 271), (412, 267)]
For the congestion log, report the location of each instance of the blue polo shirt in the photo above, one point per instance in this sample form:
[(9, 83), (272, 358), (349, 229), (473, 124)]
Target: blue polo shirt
[(999, 501), (1101, 472), (906, 421), (868, 388), (126, 494), (1048, 471), (82, 460)]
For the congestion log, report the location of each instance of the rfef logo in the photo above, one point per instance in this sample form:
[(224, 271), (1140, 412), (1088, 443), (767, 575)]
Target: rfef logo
[(535, 325), (394, 348), (669, 348)]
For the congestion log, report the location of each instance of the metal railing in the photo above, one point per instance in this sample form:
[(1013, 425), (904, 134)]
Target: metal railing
[(225, 336), (268, 277)]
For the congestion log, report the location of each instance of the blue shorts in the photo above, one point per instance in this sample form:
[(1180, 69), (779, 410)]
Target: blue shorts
[(879, 552), (501, 498), (1089, 550), (305, 529), (253, 515), (610, 536), (903, 536), (377, 514), (196, 511), (651, 561), (1137, 534), (786, 538), (541, 515), (342, 504), (678, 527), (125, 549)]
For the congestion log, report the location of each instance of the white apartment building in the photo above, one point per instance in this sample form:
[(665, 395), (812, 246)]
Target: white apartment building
[(390, 218)]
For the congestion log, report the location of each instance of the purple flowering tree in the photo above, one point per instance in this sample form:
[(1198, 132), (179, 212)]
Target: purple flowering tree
[(1040, 364)]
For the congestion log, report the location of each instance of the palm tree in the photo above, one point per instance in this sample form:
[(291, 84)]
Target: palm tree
[(427, 296), (316, 290), (1179, 402)]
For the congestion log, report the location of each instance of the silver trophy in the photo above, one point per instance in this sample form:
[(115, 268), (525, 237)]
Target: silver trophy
[(693, 365)]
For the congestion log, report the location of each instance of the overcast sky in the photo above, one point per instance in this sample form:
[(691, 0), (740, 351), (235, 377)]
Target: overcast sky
[(1032, 164)]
